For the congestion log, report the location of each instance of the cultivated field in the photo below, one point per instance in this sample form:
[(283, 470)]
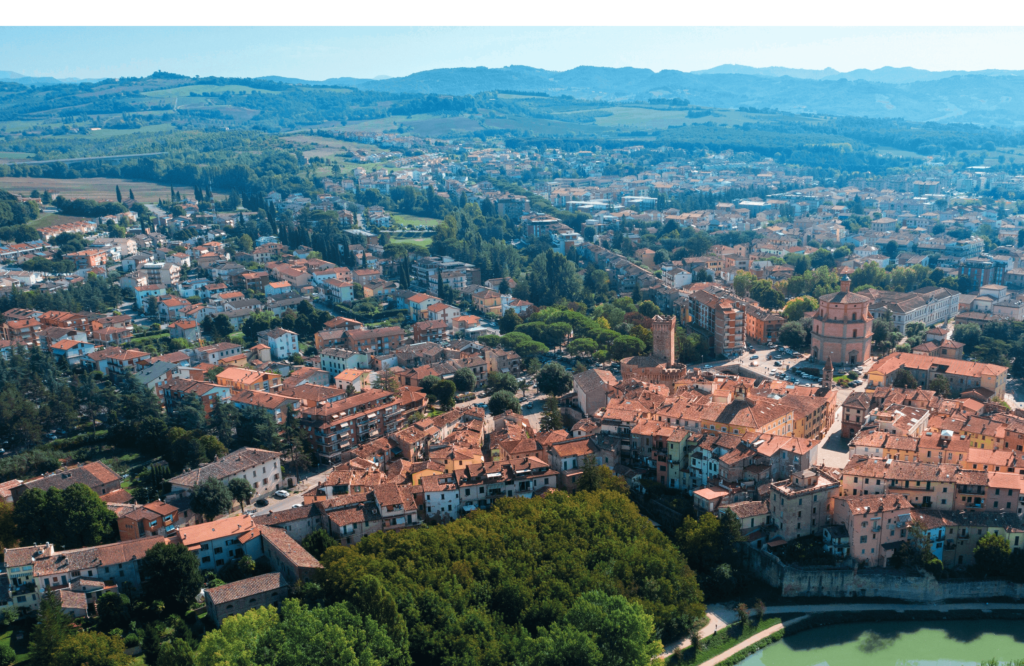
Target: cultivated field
[(657, 119), (318, 146), (145, 129), (99, 189), (185, 91)]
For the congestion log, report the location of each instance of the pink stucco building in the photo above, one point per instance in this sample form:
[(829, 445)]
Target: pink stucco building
[(876, 525), (841, 328)]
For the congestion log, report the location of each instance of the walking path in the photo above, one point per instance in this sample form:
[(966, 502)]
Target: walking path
[(761, 635), (720, 617)]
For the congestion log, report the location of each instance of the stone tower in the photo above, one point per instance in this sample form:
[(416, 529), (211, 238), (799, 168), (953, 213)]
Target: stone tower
[(663, 331), (826, 374)]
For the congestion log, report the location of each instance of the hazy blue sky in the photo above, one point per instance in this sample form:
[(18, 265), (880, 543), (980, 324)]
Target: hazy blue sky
[(320, 53)]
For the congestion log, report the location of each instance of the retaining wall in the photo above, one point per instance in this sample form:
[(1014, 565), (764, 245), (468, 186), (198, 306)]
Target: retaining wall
[(844, 582)]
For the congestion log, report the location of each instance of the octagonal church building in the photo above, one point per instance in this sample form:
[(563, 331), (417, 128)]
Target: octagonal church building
[(841, 328)]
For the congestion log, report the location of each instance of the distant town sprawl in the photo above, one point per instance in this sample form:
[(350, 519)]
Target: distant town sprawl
[(263, 378)]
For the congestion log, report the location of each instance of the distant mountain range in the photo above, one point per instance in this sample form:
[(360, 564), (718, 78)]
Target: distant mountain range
[(985, 97), (982, 97), (880, 75), (39, 80)]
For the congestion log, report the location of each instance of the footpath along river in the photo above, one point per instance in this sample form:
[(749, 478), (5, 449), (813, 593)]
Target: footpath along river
[(938, 643)]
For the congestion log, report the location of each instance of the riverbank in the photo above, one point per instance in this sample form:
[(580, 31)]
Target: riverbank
[(947, 642), (801, 617), (816, 619)]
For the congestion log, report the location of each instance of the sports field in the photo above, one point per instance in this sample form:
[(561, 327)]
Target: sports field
[(398, 219)]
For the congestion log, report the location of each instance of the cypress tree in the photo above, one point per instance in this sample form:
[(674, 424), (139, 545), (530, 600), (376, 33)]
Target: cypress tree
[(52, 627), (117, 190)]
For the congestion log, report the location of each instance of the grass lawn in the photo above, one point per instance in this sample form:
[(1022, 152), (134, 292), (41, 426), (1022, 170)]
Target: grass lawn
[(14, 156), (52, 219), (130, 458), (184, 91), (20, 645), (720, 642), (398, 219), (418, 242)]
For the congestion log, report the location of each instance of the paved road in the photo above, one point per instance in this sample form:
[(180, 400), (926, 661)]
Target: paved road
[(317, 475)]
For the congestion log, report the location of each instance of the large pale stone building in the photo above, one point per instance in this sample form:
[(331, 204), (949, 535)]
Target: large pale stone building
[(841, 328)]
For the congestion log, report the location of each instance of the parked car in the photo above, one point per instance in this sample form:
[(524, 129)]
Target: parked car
[(778, 364), (281, 494), (261, 502)]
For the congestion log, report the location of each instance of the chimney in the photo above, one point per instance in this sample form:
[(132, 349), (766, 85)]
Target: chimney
[(844, 284)]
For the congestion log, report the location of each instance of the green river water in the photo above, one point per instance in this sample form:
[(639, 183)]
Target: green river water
[(941, 643)]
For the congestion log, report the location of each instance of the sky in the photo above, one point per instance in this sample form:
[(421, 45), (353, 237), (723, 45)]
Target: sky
[(321, 53)]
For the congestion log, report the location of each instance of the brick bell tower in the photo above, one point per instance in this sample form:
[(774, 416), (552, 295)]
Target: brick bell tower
[(827, 374), (663, 332)]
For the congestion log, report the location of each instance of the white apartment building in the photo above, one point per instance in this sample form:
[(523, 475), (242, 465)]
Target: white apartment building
[(282, 342)]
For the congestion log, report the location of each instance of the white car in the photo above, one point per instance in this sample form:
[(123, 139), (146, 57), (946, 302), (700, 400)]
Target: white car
[(281, 494)]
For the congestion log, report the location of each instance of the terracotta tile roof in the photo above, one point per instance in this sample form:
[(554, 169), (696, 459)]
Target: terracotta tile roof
[(248, 587), (194, 535), (894, 362), (747, 509), (580, 447), (229, 465), (84, 558), (290, 548), (91, 474), (286, 515), (867, 504)]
